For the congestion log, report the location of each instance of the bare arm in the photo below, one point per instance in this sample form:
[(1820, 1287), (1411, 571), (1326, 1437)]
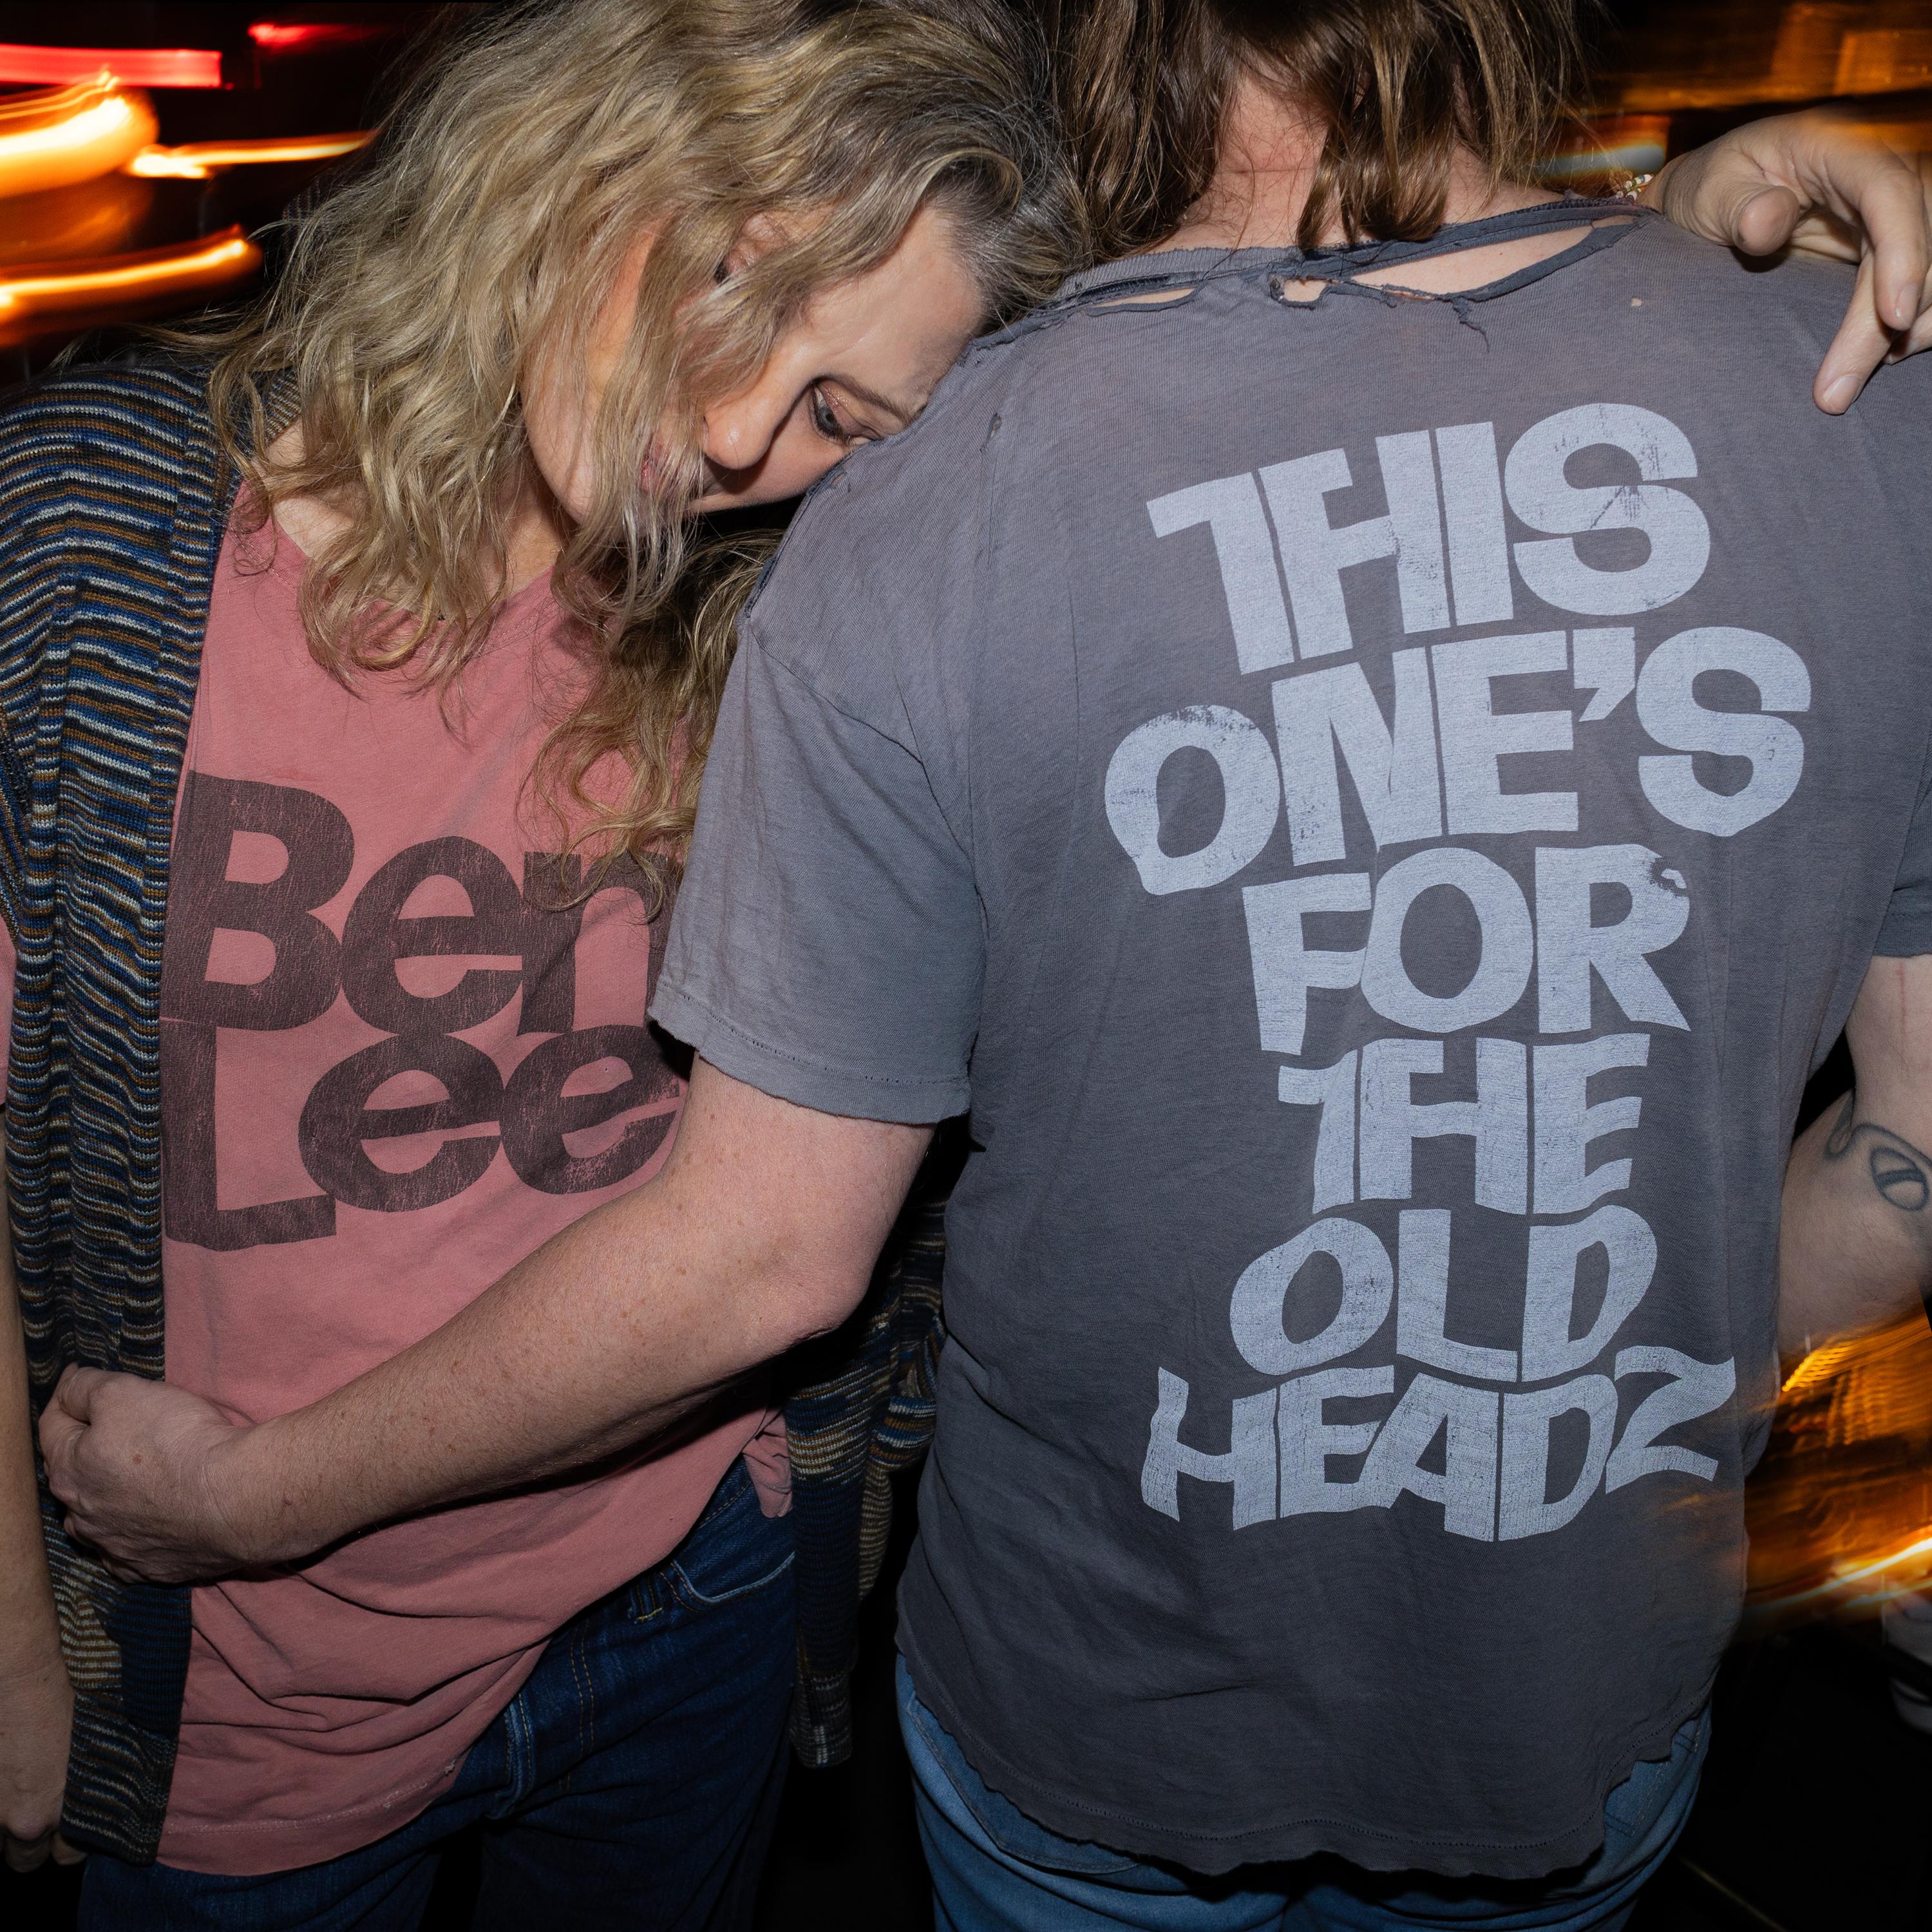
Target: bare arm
[(1818, 184), (1857, 1230), (760, 1231), (36, 1700)]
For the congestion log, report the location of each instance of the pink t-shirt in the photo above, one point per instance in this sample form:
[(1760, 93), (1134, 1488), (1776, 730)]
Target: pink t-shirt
[(394, 1061)]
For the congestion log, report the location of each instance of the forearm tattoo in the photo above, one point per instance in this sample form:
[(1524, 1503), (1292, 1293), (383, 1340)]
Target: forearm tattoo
[(1901, 1173)]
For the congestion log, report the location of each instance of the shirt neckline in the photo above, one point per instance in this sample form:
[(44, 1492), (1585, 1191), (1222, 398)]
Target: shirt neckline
[(1163, 266), (534, 612)]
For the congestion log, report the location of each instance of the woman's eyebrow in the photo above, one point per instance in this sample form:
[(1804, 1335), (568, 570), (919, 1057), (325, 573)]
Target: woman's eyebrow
[(903, 412)]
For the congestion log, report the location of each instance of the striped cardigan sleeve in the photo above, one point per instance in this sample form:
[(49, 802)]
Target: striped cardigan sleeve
[(112, 504)]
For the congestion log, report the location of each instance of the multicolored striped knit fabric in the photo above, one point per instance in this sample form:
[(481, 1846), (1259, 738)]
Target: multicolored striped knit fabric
[(113, 501), (866, 1412)]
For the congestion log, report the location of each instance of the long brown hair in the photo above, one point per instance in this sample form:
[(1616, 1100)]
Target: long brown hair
[(530, 155), (1401, 84)]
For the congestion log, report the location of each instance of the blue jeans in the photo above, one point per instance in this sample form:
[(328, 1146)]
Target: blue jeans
[(632, 1782), (994, 1870)]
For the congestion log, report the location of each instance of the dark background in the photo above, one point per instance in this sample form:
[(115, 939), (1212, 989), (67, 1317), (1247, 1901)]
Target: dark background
[(1815, 1814)]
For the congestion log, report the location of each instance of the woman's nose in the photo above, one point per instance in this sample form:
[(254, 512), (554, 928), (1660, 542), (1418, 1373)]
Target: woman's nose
[(738, 432)]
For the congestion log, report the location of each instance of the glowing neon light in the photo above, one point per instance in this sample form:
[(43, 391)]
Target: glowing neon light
[(138, 66), (123, 284), (278, 36), (72, 134), (195, 161), (164, 164)]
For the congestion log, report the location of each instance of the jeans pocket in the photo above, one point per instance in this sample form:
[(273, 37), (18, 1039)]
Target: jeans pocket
[(734, 1550)]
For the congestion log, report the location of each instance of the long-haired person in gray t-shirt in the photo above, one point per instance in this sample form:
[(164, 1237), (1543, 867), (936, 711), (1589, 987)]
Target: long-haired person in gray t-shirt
[(1373, 746)]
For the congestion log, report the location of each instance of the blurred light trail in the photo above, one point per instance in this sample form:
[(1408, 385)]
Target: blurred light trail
[(1840, 1510), (1838, 1587), (279, 36), (33, 300), (1607, 145), (138, 66), (65, 135), (195, 161), (103, 216)]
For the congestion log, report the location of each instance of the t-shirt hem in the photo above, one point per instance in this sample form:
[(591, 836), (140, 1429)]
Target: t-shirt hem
[(254, 1847), (1213, 1854), (913, 1101)]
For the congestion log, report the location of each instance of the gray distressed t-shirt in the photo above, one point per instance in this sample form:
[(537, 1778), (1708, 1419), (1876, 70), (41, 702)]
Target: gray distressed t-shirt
[(1378, 805)]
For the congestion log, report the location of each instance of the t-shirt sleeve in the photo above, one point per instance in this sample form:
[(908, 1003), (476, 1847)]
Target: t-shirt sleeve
[(827, 946), (1907, 928)]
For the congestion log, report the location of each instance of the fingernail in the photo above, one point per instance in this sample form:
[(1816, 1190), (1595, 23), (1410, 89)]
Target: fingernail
[(1839, 394)]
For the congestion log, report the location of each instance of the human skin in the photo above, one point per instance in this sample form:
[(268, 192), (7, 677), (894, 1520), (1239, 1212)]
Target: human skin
[(1855, 1247), (760, 1231), (1807, 182), (36, 1700)]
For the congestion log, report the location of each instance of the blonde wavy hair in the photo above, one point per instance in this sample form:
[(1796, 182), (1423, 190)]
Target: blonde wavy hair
[(529, 157)]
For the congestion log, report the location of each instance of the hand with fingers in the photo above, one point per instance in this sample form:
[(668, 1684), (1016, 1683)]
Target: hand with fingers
[(1817, 184), (140, 1469), (36, 1723)]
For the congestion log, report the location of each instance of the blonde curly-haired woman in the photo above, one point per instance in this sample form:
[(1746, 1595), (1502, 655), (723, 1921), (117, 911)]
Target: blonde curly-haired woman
[(356, 670)]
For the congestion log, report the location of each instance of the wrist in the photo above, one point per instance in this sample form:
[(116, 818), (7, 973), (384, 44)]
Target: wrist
[(254, 1499)]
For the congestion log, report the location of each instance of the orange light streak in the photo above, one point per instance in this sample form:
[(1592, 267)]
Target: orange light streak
[(164, 164), (195, 161), (1864, 1573), (1839, 1510), (138, 66), (35, 300), (70, 134), (74, 224)]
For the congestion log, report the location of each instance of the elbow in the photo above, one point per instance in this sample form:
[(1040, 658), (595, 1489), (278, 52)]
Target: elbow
[(774, 1293), (816, 1302)]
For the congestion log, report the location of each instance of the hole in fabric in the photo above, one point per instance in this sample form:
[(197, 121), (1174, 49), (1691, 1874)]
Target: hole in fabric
[(1149, 298), (1462, 271)]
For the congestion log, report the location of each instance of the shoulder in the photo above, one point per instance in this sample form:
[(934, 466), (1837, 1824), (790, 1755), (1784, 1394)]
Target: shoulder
[(1751, 333), (144, 408), (888, 544), (1709, 278), (142, 394), (114, 444)]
